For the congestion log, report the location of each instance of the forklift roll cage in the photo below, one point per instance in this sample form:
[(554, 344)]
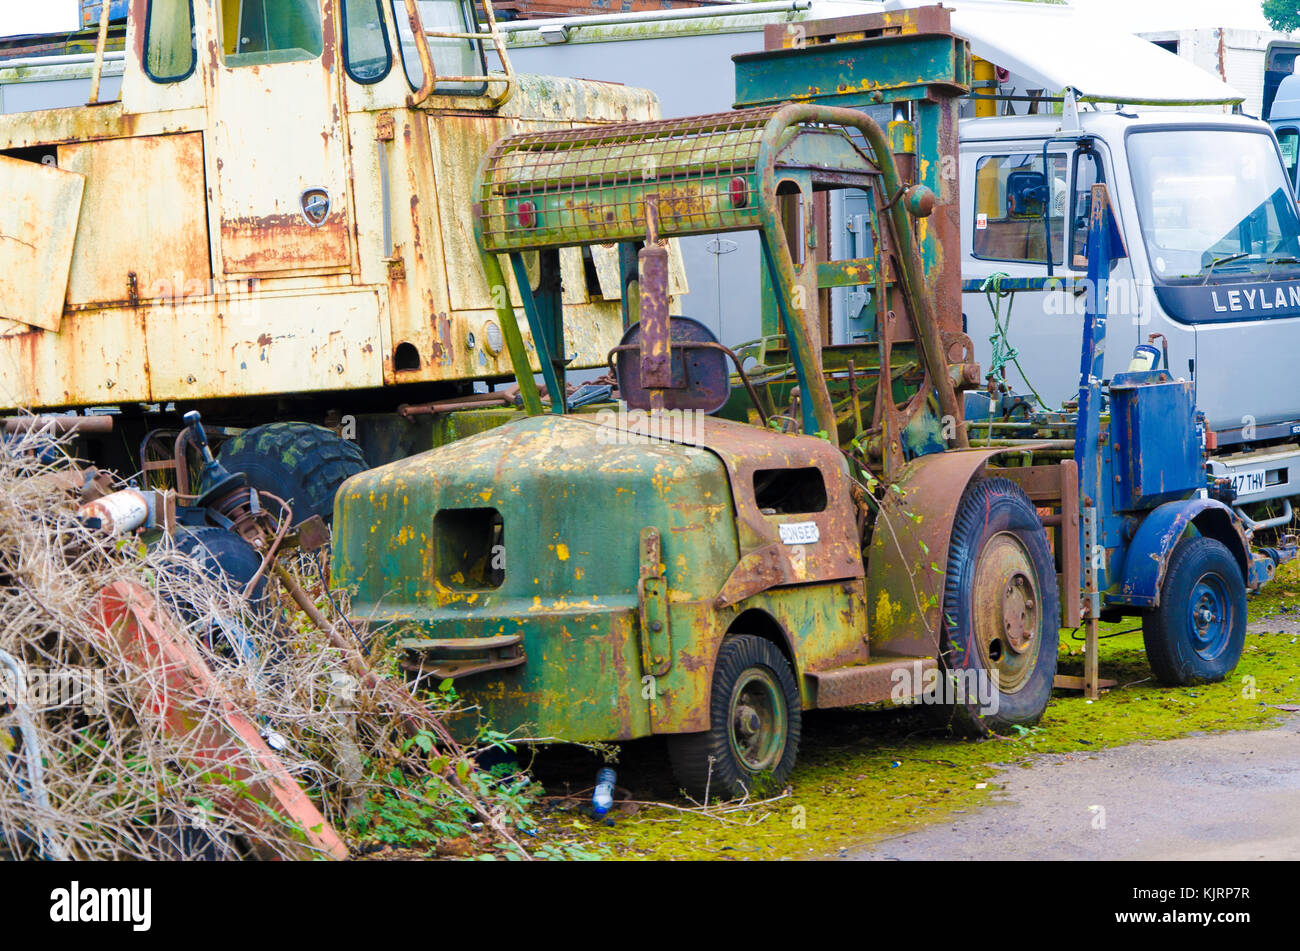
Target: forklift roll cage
[(641, 184)]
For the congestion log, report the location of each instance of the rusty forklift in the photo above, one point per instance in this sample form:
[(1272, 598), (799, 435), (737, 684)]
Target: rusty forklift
[(793, 526), (834, 542)]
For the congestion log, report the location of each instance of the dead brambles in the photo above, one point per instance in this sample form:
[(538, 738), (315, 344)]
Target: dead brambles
[(149, 710)]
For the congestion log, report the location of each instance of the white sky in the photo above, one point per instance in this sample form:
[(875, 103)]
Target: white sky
[(1143, 16), (53, 16), (38, 16)]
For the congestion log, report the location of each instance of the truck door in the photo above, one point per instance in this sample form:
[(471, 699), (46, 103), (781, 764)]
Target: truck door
[(282, 178), (1018, 214)]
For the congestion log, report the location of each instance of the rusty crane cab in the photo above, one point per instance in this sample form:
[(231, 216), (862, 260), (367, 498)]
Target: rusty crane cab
[(267, 225)]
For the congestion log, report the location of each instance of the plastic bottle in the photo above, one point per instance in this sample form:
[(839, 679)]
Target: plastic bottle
[(603, 797)]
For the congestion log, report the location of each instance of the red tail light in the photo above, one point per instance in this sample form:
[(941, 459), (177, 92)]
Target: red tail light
[(739, 189)]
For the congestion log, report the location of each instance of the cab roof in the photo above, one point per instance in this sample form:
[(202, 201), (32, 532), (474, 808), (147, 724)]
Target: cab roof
[(1107, 122)]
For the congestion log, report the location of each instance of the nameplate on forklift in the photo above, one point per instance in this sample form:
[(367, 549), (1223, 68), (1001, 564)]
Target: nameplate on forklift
[(799, 533)]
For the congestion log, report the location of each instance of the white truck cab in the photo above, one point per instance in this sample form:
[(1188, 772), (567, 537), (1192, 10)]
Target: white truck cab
[(1213, 239)]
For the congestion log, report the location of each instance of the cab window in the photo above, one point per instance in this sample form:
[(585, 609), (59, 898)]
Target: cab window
[(262, 32), (367, 55), (1288, 140), (1017, 204), (169, 40), (1087, 172), (451, 57)]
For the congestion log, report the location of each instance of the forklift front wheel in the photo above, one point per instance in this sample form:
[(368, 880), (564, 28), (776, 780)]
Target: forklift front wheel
[(755, 724), (1002, 619), (1197, 633)]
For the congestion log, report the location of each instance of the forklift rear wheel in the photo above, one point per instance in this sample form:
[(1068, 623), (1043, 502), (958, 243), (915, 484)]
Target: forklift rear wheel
[(301, 463), (1197, 633), (1001, 613), (755, 724)]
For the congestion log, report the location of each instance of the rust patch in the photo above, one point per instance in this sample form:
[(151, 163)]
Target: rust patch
[(282, 242), (329, 36)]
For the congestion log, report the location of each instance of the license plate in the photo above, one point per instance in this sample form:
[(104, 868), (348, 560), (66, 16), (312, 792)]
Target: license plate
[(1249, 482)]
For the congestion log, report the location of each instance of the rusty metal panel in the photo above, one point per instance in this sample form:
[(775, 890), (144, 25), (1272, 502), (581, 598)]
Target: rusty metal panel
[(143, 233), (908, 558), (605, 259), (458, 144), (578, 101), (573, 277), (38, 224), (781, 554), (140, 94), (278, 136), (269, 343), (868, 683), (96, 357)]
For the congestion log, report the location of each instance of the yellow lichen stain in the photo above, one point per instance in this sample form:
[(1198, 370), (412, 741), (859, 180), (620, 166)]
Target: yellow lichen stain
[(884, 613), (577, 574), (486, 495), (562, 551)]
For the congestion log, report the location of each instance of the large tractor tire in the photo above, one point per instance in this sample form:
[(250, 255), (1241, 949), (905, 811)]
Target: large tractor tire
[(1001, 622), (755, 721), (301, 463), (1197, 633)]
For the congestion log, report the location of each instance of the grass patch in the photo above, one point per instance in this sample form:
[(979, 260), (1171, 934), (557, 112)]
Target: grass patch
[(864, 775)]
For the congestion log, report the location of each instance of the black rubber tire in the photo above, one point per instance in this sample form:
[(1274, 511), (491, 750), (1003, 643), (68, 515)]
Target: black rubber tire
[(991, 509), (1169, 631), (709, 760), (222, 554), (301, 463)]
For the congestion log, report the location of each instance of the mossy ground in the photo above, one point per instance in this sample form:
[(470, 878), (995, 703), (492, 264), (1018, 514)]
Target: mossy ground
[(864, 775)]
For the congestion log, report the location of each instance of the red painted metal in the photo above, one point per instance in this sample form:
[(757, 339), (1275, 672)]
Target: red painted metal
[(127, 614)]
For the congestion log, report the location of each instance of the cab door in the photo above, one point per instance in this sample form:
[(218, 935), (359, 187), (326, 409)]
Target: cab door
[(1017, 213), (277, 136)]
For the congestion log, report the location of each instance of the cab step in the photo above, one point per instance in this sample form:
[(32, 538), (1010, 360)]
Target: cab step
[(893, 678)]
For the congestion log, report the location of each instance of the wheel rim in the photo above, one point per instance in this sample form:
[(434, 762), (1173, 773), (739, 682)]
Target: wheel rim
[(1209, 618), (1007, 611), (756, 720)]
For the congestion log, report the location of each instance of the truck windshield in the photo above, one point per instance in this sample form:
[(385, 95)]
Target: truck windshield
[(1214, 206)]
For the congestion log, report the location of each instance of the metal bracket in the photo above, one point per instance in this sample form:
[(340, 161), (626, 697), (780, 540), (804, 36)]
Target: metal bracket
[(652, 604)]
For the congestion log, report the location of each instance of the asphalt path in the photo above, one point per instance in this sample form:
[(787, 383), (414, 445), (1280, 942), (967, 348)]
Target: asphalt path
[(1212, 796)]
